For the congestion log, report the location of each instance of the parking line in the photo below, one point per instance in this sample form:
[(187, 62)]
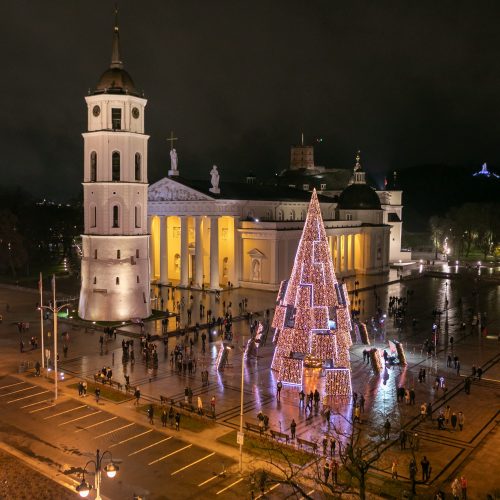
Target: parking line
[(12, 385), (34, 404), (130, 438), (44, 408), (67, 411), (95, 425), (309, 493), (170, 454), (114, 430), (79, 418), (268, 491), (230, 486), (215, 476), (27, 397), (150, 446), (20, 390), (193, 463)]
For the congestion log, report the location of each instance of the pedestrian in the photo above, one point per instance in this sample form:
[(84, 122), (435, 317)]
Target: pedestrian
[(335, 470), (402, 439), (212, 405), (479, 373), (326, 471), (137, 395), (171, 415), (200, 406), (293, 428), (426, 469), (458, 367), (357, 414), (456, 489), (412, 396), (461, 420), (37, 369), (447, 414), (164, 417), (416, 442), (394, 469), (97, 394), (448, 361), (84, 388), (151, 414), (302, 396), (463, 486), (429, 410), (279, 386), (177, 421), (423, 412), (362, 403), (387, 429), (454, 420), (332, 446), (325, 444)]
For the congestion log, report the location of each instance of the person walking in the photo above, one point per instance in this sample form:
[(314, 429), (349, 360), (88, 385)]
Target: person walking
[(137, 395), (454, 420), (463, 486), (279, 386), (97, 393), (357, 414), (455, 489), (326, 471), (426, 469), (335, 470), (177, 421), (332, 446), (387, 429), (37, 369), (362, 403), (151, 414), (212, 405), (402, 439), (199, 405), (293, 428), (394, 469), (80, 388), (84, 388), (461, 420), (164, 417)]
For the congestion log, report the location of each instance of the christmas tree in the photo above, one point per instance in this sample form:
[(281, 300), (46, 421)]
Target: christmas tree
[(312, 319)]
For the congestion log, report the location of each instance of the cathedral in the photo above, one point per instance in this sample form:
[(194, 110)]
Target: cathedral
[(208, 233)]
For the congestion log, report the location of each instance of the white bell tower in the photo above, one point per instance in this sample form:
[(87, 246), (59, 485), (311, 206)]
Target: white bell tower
[(115, 244)]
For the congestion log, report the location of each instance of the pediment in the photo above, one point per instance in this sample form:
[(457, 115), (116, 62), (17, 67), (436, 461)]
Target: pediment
[(167, 189), (256, 254)]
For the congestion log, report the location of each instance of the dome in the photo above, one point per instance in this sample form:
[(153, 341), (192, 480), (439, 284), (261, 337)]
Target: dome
[(359, 197), (117, 81)]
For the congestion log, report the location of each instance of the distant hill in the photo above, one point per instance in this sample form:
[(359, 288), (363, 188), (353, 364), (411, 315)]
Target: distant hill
[(434, 189)]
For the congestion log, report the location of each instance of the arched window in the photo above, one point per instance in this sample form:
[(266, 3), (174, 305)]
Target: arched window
[(303, 215), (137, 166), (93, 166), (95, 253), (115, 165), (280, 214), (116, 216), (118, 254), (117, 280), (137, 216), (292, 215), (138, 281)]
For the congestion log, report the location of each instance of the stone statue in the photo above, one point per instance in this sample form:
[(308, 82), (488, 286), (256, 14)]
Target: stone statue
[(215, 178), (173, 160)]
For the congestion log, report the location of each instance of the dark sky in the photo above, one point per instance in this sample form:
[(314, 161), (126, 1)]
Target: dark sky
[(407, 82)]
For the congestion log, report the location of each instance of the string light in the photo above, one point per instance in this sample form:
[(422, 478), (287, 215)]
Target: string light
[(312, 320)]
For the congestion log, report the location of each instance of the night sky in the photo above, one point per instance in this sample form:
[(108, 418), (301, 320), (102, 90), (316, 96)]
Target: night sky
[(408, 83)]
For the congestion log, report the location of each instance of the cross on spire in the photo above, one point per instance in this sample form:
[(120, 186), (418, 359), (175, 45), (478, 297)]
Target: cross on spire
[(171, 139)]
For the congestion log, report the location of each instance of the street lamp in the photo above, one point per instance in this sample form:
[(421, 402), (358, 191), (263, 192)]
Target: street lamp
[(111, 470), (55, 310)]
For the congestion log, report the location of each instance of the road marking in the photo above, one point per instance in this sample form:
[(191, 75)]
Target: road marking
[(230, 486), (170, 454), (79, 418), (268, 491), (193, 463), (150, 446), (37, 403), (44, 408), (114, 430), (95, 425), (309, 493), (27, 397), (67, 411), (215, 476), (12, 385), (130, 438), (20, 390)]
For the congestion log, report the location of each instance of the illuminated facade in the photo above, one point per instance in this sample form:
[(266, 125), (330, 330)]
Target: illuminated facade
[(115, 280), (312, 318)]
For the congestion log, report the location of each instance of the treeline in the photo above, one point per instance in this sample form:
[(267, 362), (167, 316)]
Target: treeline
[(472, 227)]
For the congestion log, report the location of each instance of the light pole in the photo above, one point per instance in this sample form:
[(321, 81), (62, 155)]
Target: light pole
[(111, 470), (55, 310), (40, 287), (241, 435)]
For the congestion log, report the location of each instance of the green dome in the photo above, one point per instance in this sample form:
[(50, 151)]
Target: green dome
[(359, 197)]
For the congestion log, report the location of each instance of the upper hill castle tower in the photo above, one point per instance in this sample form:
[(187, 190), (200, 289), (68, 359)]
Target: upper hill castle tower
[(115, 262)]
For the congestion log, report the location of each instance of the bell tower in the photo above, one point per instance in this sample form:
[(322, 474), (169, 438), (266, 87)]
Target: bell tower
[(115, 244)]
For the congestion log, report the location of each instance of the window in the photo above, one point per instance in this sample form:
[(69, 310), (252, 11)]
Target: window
[(323, 187), (117, 280), (305, 187), (280, 214), (118, 254), (95, 254), (116, 118), (292, 215), (116, 216), (137, 166), (115, 166), (93, 166), (348, 216), (137, 254), (95, 280), (138, 279), (93, 216), (137, 216)]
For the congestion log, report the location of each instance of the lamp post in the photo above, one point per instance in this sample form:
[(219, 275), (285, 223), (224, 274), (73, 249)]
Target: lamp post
[(241, 435), (111, 470), (40, 287), (55, 310)]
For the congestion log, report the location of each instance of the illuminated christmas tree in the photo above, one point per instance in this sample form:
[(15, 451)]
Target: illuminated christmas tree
[(312, 319)]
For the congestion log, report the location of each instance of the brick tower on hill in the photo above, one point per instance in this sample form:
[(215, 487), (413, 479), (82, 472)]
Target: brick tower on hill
[(312, 318)]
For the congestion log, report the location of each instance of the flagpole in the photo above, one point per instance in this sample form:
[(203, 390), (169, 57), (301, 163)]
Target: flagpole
[(54, 304), (40, 286)]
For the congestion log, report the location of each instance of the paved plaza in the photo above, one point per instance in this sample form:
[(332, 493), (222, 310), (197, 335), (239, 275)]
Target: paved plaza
[(66, 432)]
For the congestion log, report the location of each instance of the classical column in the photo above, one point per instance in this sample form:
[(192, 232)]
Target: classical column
[(353, 251), (346, 252), (163, 251), (339, 253), (274, 275), (236, 273), (184, 251), (198, 252), (214, 253), (151, 249)]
